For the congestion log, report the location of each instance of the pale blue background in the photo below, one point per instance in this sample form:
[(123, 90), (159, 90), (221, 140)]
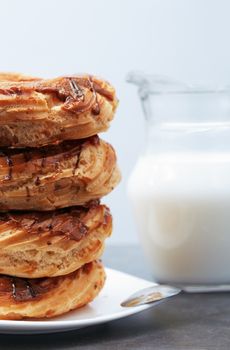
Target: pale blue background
[(185, 39)]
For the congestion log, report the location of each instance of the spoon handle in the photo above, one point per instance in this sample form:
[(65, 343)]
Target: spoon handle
[(150, 295)]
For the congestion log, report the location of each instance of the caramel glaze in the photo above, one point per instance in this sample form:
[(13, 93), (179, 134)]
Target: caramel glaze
[(27, 155), (68, 222), (23, 289), (96, 106), (37, 181), (77, 91), (87, 268), (66, 149), (94, 140), (9, 163), (27, 193), (72, 91)]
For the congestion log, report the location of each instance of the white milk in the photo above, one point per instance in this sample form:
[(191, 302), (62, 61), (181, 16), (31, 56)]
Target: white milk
[(182, 206)]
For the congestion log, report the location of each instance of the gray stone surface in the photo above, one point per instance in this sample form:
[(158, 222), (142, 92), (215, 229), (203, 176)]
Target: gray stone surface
[(188, 321)]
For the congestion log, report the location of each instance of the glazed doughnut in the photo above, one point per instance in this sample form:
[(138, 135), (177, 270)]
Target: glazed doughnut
[(51, 177), (47, 244), (39, 112), (51, 296)]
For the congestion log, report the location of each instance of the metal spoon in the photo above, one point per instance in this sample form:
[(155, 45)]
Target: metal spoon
[(150, 295)]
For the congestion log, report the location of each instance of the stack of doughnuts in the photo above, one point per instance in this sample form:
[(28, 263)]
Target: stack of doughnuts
[(54, 169)]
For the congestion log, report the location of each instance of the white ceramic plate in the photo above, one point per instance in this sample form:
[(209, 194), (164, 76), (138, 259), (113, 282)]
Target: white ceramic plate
[(106, 307)]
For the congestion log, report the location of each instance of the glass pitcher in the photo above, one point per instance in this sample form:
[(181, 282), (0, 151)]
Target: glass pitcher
[(180, 186)]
